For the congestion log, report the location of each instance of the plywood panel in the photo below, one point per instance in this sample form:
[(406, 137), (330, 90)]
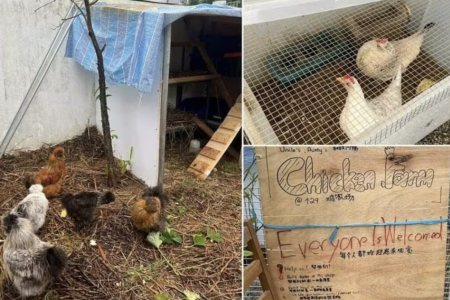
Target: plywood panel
[(351, 186)]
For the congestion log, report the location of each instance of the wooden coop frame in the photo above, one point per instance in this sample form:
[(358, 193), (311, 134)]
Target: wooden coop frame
[(257, 268), (220, 140)]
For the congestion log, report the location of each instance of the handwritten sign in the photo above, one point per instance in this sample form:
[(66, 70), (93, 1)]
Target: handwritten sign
[(307, 192)]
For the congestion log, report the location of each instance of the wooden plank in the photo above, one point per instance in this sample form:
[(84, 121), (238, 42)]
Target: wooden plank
[(346, 186), (200, 166), (210, 133), (267, 295), (186, 79), (265, 277), (236, 111), (221, 137), (251, 272), (210, 152), (247, 236), (231, 123)]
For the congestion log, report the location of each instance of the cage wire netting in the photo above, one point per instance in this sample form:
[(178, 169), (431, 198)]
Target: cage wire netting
[(252, 209), (291, 67)]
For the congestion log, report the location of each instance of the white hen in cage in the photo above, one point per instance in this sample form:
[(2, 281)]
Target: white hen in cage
[(295, 51)]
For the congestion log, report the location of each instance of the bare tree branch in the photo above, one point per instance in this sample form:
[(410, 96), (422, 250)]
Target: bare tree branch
[(103, 48), (93, 2), (79, 9), (45, 5)]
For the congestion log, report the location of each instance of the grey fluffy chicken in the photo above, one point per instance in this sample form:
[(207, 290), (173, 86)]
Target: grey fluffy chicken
[(33, 207), (82, 207), (31, 263)]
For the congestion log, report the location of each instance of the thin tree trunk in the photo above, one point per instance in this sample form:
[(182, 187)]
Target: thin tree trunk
[(103, 98)]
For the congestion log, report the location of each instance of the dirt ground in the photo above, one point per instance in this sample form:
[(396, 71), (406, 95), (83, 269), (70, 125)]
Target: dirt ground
[(131, 267)]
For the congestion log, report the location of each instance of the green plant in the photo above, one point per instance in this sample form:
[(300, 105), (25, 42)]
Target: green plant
[(213, 235), (199, 239), (124, 163), (154, 238), (169, 236)]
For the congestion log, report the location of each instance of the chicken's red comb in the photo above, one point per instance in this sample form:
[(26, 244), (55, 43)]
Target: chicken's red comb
[(381, 41), (349, 77)]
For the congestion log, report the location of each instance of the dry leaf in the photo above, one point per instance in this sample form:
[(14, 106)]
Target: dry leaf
[(102, 253)]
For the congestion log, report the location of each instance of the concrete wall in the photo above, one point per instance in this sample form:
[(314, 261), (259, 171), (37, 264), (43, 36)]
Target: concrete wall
[(64, 104)]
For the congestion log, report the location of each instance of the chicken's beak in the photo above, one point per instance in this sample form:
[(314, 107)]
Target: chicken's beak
[(341, 80)]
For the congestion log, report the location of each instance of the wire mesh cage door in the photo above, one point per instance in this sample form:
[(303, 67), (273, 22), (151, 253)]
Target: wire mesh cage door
[(395, 54)]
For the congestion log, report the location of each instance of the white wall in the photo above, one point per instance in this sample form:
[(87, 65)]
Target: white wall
[(64, 103), (135, 119)]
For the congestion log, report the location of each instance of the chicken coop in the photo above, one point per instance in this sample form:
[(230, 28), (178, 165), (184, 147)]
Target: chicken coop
[(294, 51), (153, 65)]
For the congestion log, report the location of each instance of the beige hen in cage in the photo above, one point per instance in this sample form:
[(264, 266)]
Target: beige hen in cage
[(292, 96)]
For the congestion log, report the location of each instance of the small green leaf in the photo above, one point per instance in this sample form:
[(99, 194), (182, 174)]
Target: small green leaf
[(248, 253), (131, 152), (181, 210), (190, 295), (170, 237), (199, 239), (114, 136), (213, 235), (154, 238), (161, 297)]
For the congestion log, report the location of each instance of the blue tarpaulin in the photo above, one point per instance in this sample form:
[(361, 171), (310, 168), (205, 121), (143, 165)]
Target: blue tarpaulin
[(133, 39)]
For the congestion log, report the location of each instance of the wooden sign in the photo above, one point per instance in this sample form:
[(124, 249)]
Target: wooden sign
[(307, 192)]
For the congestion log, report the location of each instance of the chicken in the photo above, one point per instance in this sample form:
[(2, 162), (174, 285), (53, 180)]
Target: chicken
[(360, 114), (379, 58), (31, 263), (83, 206), (52, 175), (149, 213), (33, 207)]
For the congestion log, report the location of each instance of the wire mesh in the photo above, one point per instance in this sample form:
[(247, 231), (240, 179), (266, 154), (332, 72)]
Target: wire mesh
[(253, 209), (291, 67)]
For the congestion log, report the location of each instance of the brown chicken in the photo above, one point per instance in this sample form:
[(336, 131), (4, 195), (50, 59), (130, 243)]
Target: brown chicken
[(148, 214), (50, 176)]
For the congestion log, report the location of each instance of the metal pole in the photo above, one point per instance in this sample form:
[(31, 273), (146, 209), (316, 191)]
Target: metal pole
[(164, 102), (40, 75)]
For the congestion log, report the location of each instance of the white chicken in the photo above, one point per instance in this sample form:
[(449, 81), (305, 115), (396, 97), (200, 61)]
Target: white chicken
[(33, 207), (31, 263), (380, 58), (359, 114)]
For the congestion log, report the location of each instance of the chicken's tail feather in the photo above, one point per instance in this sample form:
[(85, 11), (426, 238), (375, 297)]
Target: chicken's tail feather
[(106, 198), (156, 192), (153, 191), (427, 27), (52, 190), (57, 261), (397, 79)]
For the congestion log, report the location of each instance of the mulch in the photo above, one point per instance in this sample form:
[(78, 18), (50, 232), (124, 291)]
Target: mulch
[(131, 268)]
